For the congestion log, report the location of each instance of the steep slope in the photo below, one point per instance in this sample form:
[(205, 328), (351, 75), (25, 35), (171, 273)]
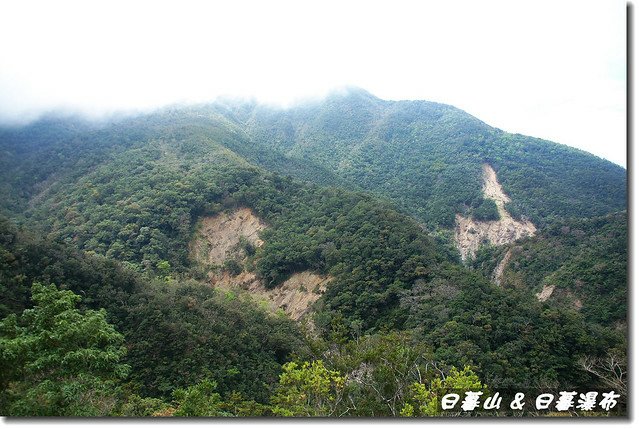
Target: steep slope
[(176, 333), (137, 200), (221, 237), (224, 245), (427, 157), (470, 233), (575, 263), (139, 204), (424, 157)]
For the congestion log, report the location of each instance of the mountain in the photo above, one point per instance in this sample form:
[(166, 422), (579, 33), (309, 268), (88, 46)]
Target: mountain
[(373, 224), (176, 334), (427, 157), (579, 263)]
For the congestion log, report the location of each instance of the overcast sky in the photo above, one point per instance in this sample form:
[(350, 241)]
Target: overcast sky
[(554, 69)]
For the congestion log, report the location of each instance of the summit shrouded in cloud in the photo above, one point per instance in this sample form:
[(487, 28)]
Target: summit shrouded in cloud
[(213, 208), (524, 66)]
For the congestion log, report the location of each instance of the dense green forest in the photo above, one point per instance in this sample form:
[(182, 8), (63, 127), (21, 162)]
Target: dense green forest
[(96, 220), (426, 157), (585, 259), (180, 336)]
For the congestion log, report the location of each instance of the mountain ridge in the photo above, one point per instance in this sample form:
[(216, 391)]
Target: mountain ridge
[(359, 197), (423, 156)]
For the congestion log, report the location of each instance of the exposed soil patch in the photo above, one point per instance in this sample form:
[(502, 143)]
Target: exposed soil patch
[(545, 293), (295, 296), (493, 190), (499, 269), (219, 238), (470, 233)]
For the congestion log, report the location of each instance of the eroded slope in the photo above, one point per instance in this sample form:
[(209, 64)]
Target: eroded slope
[(295, 296), (221, 238), (471, 233), (218, 237)]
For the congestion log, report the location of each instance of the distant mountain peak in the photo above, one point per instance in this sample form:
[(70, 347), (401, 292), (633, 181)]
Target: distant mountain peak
[(351, 91)]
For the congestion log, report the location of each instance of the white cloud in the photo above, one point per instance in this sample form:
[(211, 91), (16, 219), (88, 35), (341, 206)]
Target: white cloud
[(552, 69)]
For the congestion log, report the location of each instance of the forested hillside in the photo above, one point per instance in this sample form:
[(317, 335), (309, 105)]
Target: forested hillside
[(361, 191), (427, 157), (583, 261), (177, 333)]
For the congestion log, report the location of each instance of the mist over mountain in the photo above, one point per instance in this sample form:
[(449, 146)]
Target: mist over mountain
[(424, 156), (427, 157), (241, 249)]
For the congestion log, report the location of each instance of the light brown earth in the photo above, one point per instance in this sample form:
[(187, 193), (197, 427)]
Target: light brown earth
[(217, 239), (499, 269), (470, 233), (545, 293), (295, 296)]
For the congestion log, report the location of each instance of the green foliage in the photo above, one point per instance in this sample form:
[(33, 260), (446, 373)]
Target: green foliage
[(424, 401), (371, 251), (199, 400), (164, 268), (28, 258), (426, 157), (237, 405), (232, 266), (146, 206), (136, 406), (382, 369), (511, 339), (400, 310), (308, 389), (246, 246), (57, 360), (585, 259), (486, 211), (384, 375), (180, 334)]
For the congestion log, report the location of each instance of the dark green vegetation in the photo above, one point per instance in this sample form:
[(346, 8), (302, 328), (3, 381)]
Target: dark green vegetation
[(426, 157), (175, 334), (58, 361), (585, 259), (486, 211), (107, 211)]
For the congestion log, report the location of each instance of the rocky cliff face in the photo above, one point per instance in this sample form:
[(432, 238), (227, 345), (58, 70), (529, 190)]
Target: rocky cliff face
[(470, 233)]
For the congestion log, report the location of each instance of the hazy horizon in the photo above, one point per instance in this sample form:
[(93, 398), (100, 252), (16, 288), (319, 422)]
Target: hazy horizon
[(524, 67)]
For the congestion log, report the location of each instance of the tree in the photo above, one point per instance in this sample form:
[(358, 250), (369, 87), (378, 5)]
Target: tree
[(308, 389), (425, 400), (58, 361), (199, 400), (203, 400), (611, 369), (381, 370)]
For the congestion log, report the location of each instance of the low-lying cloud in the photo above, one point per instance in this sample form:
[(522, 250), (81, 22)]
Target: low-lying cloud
[(527, 67)]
